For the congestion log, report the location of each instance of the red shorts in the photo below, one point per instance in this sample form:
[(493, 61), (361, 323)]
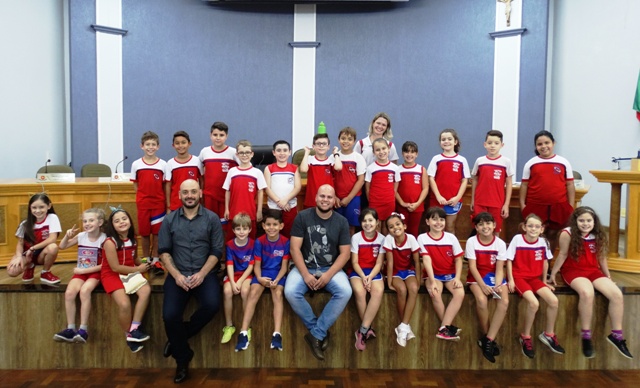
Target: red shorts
[(412, 219), (590, 274), (85, 277), (554, 216), (494, 211), (384, 209), (528, 284), (287, 220), (236, 277), (214, 205), (111, 282), (150, 220)]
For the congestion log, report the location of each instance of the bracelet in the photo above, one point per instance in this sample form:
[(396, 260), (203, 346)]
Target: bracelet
[(336, 154)]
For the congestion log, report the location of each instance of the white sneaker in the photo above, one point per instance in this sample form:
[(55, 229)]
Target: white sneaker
[(402, 336), (410, 334)]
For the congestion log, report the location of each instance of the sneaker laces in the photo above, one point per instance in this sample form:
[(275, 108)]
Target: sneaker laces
[(526, 342)]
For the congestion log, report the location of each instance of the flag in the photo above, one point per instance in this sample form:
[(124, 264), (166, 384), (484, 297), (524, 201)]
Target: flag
[(636, 102)]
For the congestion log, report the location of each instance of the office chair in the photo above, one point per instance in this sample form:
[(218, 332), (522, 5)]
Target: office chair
[(95, 170)]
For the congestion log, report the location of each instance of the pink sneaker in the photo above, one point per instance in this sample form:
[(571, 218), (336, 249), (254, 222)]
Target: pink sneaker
[(48, 277), (27, 275), (360, 341)]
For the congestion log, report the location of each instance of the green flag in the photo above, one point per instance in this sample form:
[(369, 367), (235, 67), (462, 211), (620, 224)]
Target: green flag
[(636, 102)]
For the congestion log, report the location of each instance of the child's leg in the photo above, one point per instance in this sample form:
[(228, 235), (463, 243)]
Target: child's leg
[(454, 305), (123, 302), (482, 308), (278, 307), (451, 223), (377, 291), (360, 295), (144, 293), (412, 294), (532, 308), (552, 308), (154, 246), (48, 256), (85, 299), (383, 227), (228, 304), (499, 314), (616, 300), (146, 245), (586, 294), (244, 292), (249, 310), (436, 299), (401, 295), (70, 299)]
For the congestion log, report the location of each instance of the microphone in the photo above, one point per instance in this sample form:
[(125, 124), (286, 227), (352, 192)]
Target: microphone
[(125, 158), (46, 166)]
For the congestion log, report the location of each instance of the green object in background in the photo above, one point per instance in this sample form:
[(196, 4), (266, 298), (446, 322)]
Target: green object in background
[(322, 128)]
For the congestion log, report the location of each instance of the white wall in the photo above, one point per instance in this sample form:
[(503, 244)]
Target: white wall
[(32, 86), (595, 64)]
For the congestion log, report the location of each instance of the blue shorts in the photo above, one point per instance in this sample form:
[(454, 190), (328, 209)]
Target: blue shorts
[(366, 271), (445, 278), (351, 212), (270, 273), (490, 280), (452, 210), (405, 274)]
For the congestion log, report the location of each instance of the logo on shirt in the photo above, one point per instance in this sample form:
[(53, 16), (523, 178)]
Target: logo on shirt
[(497, 174), (290, 180), (390, 177), (327, 171), (252, 187), (225, 166), (376, 251), (156, 176), (557, 170), (455, 167), (416, 179), (246, 258), (538, 255), (592, 247), (352, 169), (278, 253), (450, 253), (494, 258), (191, 174)]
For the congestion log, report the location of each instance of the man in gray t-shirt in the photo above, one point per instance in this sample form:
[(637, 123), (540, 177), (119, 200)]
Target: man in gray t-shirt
[(320, 247)]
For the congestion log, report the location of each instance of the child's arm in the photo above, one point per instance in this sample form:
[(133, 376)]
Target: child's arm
[(304, 164), (167, 195), (456, 280), (356, 266), (499, 275), (270, 193), (389, 255), (436, 192), (283, 271), (510, 283), (70, 238), (571, 193), (473, 269), (259, 206), (86, 271), (53, 236), (337, 162), (356, 187), (563, 252), (416, 263), (367, 188), (257, 272), (227, 199), (545, 271), (474, 183), (523, 194), (423, 193), (461, 190), (244, 276), (135, 186), (431, 285), (111, 254), (507, 196)]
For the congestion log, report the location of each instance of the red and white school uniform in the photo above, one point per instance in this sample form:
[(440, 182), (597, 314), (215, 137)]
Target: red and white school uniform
[(409, 189), (402, 253), (587, 265), (217, 165), (126, 256), (443, 252), (150, 198), (382, 194), (320, 173), (490, 189), (177, 172), (283, 181), (365, 148), (547, 189), (244, 186), (41, 230), (353, 165), (528, 262), (448, 173), (486, 256), (367, 250)]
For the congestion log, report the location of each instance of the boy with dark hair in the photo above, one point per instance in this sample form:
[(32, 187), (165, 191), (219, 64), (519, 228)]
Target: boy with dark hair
[(350, 179), (184, 166), (319, 167)]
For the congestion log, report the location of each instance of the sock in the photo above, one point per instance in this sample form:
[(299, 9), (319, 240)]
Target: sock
[(84, 327), (525, 336), (364, 330), (43, 271), (404, 326), (617, 334), (489, 339), (72, 327), (244, 332), (134, 326), (586, 334), (276, 332), (549, 335)]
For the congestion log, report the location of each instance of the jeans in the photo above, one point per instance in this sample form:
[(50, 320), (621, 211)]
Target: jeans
[(340, 290), (175, 301)]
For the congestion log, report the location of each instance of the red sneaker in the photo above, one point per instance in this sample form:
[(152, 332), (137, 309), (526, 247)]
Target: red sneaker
[(27, 275), (49, 278)]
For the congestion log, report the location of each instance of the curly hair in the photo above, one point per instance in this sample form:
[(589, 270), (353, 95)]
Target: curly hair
[(576, 245)]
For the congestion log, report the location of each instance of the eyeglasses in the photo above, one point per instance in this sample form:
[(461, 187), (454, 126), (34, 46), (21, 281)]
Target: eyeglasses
[(245, 153), (321, 144)]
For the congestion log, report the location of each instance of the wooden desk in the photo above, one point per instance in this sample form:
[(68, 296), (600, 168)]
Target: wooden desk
[(630, 263), (71, 199)]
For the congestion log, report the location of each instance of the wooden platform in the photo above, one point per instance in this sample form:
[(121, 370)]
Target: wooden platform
[(31, 314)]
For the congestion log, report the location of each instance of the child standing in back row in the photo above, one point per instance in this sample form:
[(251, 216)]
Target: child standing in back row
[(283, 185), (86, 275), (381, 182), (184, 166), (147, 175), (448, 176), (350, 179), (319, 167), (528, 258), (412, 189)]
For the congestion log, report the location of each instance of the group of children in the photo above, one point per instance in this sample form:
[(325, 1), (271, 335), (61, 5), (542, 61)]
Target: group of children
[(388, 243)]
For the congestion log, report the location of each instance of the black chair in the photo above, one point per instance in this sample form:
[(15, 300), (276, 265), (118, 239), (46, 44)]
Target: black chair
[(55, 168), (95, 170), (262, 156)]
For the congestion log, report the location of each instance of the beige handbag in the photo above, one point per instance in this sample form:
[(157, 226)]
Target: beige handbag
[(132, 282)]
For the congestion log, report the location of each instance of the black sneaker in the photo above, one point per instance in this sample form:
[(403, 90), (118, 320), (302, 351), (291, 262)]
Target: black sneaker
[(496, 349), (527, 346), (551, 342), (587, 348), (315, 345), (487, 347), (454, 330), (621, 345)]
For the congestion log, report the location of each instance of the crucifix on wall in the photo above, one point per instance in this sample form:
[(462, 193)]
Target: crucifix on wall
[(507, 10)]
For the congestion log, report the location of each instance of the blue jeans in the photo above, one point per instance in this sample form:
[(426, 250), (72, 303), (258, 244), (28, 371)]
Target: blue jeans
[(340, 291)]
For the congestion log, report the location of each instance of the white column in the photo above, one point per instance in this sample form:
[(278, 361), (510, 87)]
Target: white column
[(304, 75), (506, 77), (109, 82)]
